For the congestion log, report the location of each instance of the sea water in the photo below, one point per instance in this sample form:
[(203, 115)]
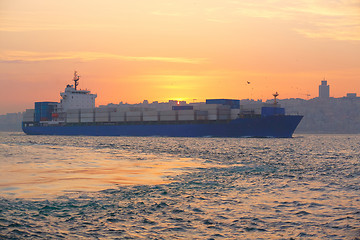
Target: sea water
[(63, 187)]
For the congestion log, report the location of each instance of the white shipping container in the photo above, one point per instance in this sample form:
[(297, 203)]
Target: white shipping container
[(186, 112), (117, 118), (150, 113), (72, 115), (102, 114), (188, 117), (167, 118), (133, 119), (85, 120), (235, 113), (133, 114), (150, 118), (72, 120), (168, 113), (212, 117), (101, 119), (212, 111), (87, 115)]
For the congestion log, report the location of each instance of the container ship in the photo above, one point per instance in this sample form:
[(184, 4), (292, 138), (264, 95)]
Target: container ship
[(76, 114)]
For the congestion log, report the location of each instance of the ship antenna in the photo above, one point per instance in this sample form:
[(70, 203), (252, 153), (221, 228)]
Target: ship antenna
[(76, 79), (275, 95)]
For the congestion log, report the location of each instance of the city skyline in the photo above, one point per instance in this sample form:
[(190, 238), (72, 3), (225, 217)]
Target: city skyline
[(133, 51)]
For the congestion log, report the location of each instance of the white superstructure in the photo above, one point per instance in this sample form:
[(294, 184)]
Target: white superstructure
[(76, 99)]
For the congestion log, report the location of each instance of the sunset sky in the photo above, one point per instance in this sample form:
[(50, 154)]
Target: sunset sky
[(131, 50)]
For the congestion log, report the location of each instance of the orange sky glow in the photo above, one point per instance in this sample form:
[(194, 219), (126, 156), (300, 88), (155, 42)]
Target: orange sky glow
[(159, 50)]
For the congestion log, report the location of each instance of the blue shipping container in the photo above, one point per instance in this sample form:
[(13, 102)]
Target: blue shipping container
[(44, 110), (182, 108), (233, 103)]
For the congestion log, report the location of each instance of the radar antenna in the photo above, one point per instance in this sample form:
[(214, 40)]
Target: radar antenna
[(275, 95), (76, 79)]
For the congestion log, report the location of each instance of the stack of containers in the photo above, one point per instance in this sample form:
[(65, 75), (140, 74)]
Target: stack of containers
[(73, 115), (168, 115), (135, 116), (28, 115), (151, 116), (186, 115), (224, 112), (44, 110), (201, 115), (118, 116), (212, 110), (103, 114), (184, 112), (87, 115), (233, 103), (235, 113)]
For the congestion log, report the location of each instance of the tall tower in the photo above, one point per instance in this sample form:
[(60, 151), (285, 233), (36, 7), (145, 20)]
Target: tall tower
[(324, 90)]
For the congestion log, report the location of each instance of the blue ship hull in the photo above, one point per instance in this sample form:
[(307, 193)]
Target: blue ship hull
[(282, 126)]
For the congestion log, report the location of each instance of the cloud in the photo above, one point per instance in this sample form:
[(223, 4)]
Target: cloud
[(24, 56), (334, 19)]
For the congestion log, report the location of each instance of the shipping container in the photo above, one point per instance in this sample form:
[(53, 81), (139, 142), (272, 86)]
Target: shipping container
[(150, 113), (117, 118), (168, 113), (201, 115), (167, 118), (86, 120), (72, 120), (233, 103), (102, 114), (181, 108), (186, 117), (87, 115), (101, 119), (29, 115), (186, 112), (43, 111), (212, 117), (152, 118), (134, 116), (235, 113)]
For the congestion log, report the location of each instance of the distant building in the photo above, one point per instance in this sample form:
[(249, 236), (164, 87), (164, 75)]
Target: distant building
[(324, 90), (351, 95)]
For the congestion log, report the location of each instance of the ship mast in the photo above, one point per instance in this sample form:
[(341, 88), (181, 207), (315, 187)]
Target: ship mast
[(275, 95), (76, 79)]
